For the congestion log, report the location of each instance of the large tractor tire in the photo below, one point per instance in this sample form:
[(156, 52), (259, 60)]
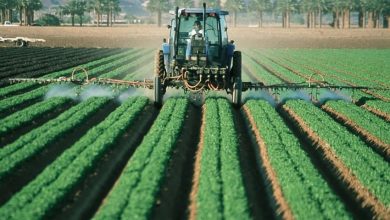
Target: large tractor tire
[(237, 82), (159, 72), (21, 43)]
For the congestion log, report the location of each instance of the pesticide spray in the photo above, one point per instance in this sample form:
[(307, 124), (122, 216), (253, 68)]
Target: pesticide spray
[(62, 90)]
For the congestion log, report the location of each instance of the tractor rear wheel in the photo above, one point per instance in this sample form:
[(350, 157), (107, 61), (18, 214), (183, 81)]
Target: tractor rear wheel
[(236, 75), (159, 72)]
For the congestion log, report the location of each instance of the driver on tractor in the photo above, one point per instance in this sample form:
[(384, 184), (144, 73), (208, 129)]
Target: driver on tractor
[(195, 33)]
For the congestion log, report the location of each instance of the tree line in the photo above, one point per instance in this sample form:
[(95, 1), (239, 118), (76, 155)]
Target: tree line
[(26, 8), (370, 12)]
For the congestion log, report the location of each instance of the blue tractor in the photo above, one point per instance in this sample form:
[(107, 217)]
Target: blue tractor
[(198, 55)]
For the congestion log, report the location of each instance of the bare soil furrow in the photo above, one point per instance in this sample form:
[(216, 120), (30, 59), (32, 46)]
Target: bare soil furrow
[(174, 197), (381, 114), (196, 171), (255, 187)]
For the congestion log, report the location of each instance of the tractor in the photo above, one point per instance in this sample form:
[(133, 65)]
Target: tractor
[(198, 58)]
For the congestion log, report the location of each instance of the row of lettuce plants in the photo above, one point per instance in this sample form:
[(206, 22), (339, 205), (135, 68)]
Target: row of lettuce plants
[(363, 119), (136, 191), (366, 63), (27, 115), (221, 193), (287, 74), (302, 65), (258, 71), (91, 66), (37, 93), (306, 192), (33, 142), (51, 186), (366, 165)]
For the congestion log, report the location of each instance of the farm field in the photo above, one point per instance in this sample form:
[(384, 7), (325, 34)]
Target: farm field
[(107, 153)]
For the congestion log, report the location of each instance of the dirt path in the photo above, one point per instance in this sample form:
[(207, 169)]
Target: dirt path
[(254, 185)]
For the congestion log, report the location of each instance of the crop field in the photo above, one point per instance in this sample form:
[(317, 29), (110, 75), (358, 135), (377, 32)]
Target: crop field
[(98, 152)]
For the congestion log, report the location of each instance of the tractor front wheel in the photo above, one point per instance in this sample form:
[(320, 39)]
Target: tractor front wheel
[(237, 83), (159, 73), (237, 92), (158, 94)]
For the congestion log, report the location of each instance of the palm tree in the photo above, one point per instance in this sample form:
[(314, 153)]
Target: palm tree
[(260, 6), (158, 6), (234, 6), (6, 7), (26, 10), (286, 7), (184, 3)]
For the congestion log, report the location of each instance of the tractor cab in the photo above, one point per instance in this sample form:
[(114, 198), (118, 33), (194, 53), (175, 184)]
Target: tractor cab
[(198, 40)]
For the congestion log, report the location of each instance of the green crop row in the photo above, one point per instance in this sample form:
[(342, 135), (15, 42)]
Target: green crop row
[(308, 195), (50, 187), (257, 70), (14, 101), (379, 105), (367, 63), (23, 117), (22, 86), (363, 119), (370, 168), (125, 68), (135, 193), (301, 64), (221, 194), (292, 77), (37, 93), (36, 140)]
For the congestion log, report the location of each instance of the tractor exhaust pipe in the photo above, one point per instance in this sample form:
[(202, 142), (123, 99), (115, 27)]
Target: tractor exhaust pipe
[(204, 29), (175, 31)]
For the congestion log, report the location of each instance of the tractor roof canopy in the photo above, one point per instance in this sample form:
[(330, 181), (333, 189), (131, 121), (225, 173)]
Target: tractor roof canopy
[(200, 11)]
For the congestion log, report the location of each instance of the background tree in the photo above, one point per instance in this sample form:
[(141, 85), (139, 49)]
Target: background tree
[(234, 6), (286, 7), (260, 6), (183, 3), (26, 10), (158, 6), (211, 4), (7, 7)]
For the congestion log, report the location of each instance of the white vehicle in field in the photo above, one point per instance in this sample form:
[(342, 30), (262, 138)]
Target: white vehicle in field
[(20, 41), (8, 23)]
